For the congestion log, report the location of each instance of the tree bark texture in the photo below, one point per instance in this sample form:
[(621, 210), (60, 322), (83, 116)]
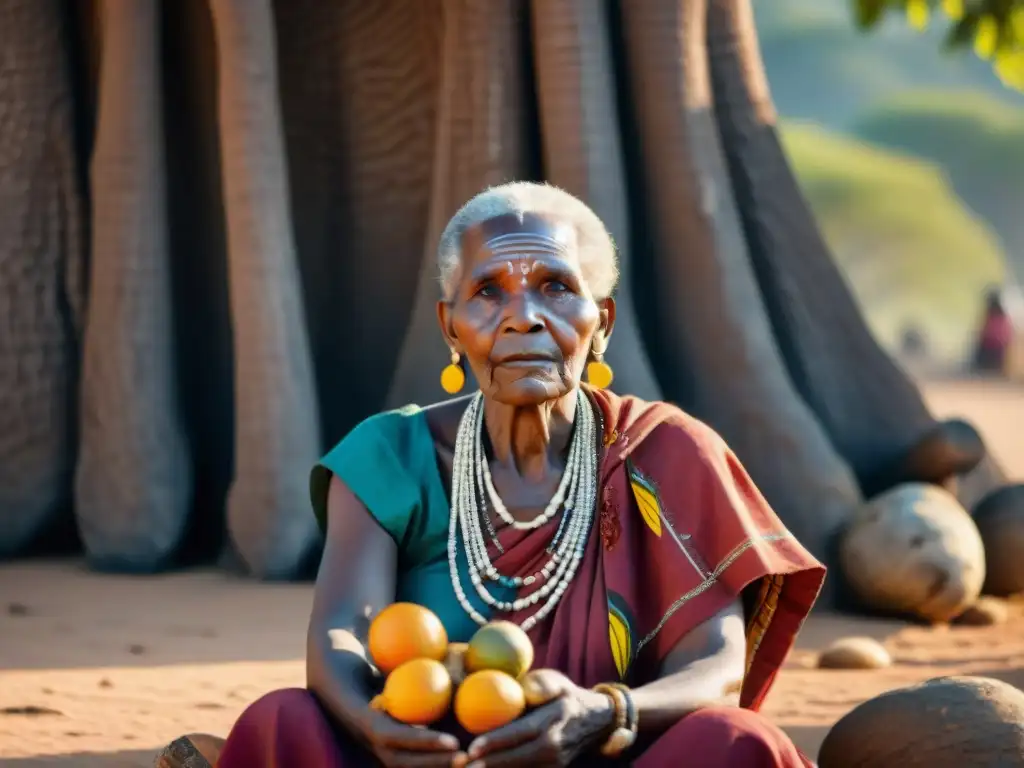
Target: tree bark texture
[(133, 483), (268, 184), (869, 407), (41, 264), (724, 361), (277, 430)]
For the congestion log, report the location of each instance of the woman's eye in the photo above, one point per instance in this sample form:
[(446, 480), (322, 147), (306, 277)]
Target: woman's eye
[(556, 286), (487, 290)]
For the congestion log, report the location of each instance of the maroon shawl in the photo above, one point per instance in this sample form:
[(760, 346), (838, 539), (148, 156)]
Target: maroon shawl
[(681, 533)]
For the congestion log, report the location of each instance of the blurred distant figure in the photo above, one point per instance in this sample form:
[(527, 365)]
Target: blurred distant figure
[(913, 343), (996, 336)]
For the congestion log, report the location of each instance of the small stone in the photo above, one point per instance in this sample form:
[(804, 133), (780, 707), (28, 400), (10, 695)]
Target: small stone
[(31, 710), (105, 683), (984, 613), (855, 653), (18, 609), (136, 650)]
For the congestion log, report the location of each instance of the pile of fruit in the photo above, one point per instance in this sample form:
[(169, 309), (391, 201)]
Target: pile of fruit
[(426, 676)]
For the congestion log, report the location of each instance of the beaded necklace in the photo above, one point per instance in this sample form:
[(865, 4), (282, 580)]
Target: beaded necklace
[(471, 484)]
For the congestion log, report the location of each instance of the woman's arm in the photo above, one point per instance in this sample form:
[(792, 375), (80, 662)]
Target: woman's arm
[(356, 579), (704, 669)]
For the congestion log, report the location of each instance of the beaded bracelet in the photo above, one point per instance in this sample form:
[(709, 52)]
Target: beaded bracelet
[(626, 720), (632, 716)]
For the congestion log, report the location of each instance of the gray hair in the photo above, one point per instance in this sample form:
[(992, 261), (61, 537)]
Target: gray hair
[(595, 247)]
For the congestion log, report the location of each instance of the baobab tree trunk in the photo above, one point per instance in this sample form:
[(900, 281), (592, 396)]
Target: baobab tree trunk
[(582, 150), (873, 413), (392, 114), (711, 314), (133, 484), (41, 263), (359, 100), (277, 438), (483, 121)]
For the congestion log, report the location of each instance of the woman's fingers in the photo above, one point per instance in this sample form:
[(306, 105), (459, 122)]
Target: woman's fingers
[(393, 735), (543, 685), (535, 752), (400, 759), (521, 731)]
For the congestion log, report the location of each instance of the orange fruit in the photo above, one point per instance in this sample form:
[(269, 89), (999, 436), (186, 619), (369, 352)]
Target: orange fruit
[(487, 700), (403, 632), (418, 693), (500, 645)]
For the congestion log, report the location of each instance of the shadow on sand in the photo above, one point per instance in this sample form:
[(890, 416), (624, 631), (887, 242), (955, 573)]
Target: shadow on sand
[(140, 758)]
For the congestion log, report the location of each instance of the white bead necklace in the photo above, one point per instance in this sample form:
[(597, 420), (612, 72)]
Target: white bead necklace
[(471, 481)]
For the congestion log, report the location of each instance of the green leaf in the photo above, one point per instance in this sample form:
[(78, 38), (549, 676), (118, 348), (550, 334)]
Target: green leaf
[(917, 14), (986, 37), (1010, 68), (868, 12), (961, 33), (954, 9), (1015, 25)]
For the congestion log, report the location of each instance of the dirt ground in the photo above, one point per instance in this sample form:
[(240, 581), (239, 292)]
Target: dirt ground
[(102, 671)]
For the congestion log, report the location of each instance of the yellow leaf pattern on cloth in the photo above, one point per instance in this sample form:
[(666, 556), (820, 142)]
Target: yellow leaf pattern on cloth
[(620, 633), (646, 499)]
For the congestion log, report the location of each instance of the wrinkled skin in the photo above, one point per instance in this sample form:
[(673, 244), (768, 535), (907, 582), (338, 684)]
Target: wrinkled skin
[(304, 159), (537, 353)]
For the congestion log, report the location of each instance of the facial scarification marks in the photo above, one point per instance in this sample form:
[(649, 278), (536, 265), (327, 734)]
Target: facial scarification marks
[(518, 242), (523, 268), (521, 250)]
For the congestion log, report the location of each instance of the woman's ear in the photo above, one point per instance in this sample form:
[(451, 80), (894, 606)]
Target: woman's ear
[(606, 323), (444, 319)]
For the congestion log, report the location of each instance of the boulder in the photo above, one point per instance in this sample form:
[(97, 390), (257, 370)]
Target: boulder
[(947, 722), (914, 550)]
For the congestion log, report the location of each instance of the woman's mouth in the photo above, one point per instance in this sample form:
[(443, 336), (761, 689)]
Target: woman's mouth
[(526, 361)]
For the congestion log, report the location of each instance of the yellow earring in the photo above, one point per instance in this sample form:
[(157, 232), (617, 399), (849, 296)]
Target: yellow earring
[(599, 373), (452, 377)]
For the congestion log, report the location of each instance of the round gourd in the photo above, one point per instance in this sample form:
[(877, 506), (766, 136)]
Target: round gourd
[(914, 550), (948, 722), (855, 653), (1000, 519)]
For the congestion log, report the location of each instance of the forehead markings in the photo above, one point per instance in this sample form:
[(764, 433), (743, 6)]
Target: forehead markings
[(518, 246), (526, 242)]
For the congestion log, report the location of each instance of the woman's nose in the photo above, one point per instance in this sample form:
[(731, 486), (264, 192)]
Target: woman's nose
[(522, 315)]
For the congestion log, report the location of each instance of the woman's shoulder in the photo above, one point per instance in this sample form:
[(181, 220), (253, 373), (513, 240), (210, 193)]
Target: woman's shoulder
[(387, 461), (665, 427), (687, 431), (387, 422)]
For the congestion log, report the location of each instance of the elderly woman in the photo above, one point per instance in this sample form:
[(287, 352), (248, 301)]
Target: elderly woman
[(657, 586)]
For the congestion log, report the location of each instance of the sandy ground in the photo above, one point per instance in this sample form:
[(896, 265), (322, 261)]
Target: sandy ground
[(101, 671)]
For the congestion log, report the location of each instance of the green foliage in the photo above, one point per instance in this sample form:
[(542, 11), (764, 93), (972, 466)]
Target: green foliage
[(821, 68), (995, 28), (910, 250), (976, 139)]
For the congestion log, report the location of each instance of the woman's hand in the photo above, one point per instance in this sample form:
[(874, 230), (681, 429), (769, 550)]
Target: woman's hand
[(568, 722), (397, 745)]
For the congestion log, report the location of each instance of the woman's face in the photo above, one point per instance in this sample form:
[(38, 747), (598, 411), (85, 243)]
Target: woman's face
[(522, 315)]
